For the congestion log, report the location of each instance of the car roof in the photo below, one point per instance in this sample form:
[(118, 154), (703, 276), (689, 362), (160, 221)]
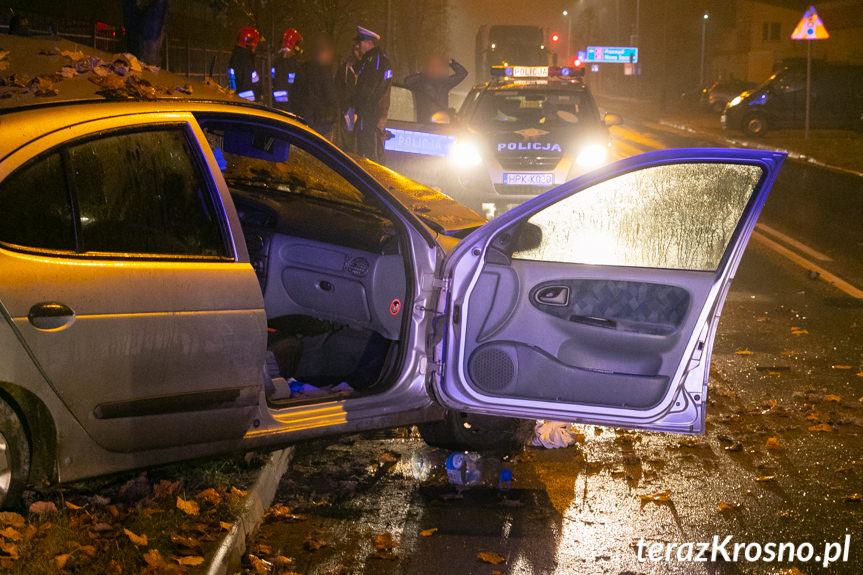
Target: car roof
[(536, 85), (39, 72)]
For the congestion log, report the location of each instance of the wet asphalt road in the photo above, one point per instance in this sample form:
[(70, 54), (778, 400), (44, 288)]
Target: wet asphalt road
[(787, 372)]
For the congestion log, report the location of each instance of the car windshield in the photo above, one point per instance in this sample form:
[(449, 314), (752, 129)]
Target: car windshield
[(525, 108)]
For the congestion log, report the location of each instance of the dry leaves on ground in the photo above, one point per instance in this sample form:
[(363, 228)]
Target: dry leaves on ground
[(137, 540), (40, 507), (188, 507), (661, 497), (772, 443), (726, 507), (489, 557), (428, 532)]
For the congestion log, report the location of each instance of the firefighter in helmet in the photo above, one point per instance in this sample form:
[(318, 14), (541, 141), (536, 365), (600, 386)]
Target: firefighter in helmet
[(243, 77), (284, 70)]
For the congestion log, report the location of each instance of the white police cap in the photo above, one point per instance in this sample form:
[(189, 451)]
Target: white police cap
[(366, 34)]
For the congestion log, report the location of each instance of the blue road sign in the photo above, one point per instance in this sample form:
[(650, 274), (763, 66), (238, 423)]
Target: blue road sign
[(612, 54)]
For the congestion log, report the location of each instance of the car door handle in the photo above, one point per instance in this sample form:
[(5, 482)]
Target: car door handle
[(553, 295), (50, 316), (594, 321)]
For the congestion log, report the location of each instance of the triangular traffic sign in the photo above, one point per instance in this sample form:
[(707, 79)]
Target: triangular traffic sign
[(810, 27)]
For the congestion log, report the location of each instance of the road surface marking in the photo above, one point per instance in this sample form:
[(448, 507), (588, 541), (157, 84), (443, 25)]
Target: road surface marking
[(800, 246), (827, 276), (637, 137)]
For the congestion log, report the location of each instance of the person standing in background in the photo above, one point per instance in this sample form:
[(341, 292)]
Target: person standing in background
[(316, 100), (243, 77), (371, 101), (285, 68), (432, 86)]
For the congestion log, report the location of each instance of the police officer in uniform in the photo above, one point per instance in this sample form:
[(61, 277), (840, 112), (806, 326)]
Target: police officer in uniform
[(371, 101), (285, 69), (346, 83), (243, 77)]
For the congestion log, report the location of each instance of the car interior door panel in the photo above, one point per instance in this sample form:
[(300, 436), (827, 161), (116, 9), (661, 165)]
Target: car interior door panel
[(585, 323)]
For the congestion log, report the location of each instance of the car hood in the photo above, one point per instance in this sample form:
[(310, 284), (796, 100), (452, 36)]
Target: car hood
[(440, 212)]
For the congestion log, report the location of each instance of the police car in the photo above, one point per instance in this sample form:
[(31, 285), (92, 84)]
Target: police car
[(529, 129)]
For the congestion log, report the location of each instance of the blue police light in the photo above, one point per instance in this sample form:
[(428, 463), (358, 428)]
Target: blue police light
[(280, 95), (232, 79), (564, 71), (255, 77), (509, 71), (248, 95)]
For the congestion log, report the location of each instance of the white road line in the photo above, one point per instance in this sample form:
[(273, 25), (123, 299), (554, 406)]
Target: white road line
[(800, 246), (827, 276)]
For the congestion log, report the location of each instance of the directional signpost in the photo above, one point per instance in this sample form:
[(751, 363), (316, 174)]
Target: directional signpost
[(810, 27), (612, 54)]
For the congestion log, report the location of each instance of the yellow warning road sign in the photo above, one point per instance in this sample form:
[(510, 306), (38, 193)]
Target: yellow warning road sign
[(810, 27)]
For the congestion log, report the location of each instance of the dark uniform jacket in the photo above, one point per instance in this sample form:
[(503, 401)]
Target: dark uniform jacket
[(433, 95), (243, 63), (284, 79), (314, 96), (372, 92)]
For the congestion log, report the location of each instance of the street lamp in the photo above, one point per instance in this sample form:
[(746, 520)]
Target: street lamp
[(568, 34), (703, 35)]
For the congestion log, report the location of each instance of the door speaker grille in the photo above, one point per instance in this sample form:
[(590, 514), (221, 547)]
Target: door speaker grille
[(491, 369)]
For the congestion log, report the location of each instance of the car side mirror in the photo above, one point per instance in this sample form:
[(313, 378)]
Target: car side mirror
[(529, 238), (611, 119), (441, 118)]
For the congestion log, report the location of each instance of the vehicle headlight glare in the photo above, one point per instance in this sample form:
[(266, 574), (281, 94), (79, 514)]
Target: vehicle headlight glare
[(465, 154), (592, 156), (735, 101)]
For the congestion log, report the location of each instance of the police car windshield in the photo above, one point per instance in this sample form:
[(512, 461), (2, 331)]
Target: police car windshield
[(523, 108)]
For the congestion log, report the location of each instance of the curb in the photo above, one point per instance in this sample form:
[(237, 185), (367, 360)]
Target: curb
[(230, 551)]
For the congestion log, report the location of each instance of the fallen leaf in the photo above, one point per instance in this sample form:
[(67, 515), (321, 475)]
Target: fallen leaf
[(154, 559), (796, 331), (385, 542), (661, 497), (743, 352), (103, 527), (791, 571), (259, 566), (725, 507), (388, 457), (74, 56), (72, 506), (428, 532), (61, 560), (735, 447), (821, 427), (764, 478), (492, 558), (87, 550), (225, 525), (313, 542), (188, 507), (165, 489), (188, 542), (137, 540), (40, 507), (11, 533), (842, 367), (773, 443), (210, 496), (833, 398), (855, 498), (12, 518), (190, 560)]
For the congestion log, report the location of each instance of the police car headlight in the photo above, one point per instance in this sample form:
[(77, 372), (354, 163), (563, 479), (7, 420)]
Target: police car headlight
[(735, 101), (592, 156), (465, 154)]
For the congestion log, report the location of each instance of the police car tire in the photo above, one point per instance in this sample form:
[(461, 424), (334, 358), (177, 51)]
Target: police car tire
[(755, 125), (482, 432), (15, 456)]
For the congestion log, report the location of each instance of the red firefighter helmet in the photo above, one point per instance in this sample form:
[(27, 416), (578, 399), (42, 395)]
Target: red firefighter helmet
[(291, 40), (248, 37)]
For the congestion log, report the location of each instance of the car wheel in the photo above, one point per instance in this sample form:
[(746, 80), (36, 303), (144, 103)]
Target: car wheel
[(755, 125), (14, 456), (461, 431)]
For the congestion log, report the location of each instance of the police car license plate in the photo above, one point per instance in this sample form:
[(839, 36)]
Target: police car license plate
[(529, 179)]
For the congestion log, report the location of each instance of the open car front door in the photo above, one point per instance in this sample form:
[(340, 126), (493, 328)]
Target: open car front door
[(598, 301)]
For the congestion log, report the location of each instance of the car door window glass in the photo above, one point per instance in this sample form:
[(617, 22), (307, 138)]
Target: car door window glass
[(402, 106), (675, 217), (35, 205), (142, 193)]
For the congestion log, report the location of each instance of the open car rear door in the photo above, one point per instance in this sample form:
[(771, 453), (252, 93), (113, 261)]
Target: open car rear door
[(598, 301)]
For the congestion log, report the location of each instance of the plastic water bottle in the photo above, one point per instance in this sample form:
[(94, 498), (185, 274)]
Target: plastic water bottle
[(469, 469)]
